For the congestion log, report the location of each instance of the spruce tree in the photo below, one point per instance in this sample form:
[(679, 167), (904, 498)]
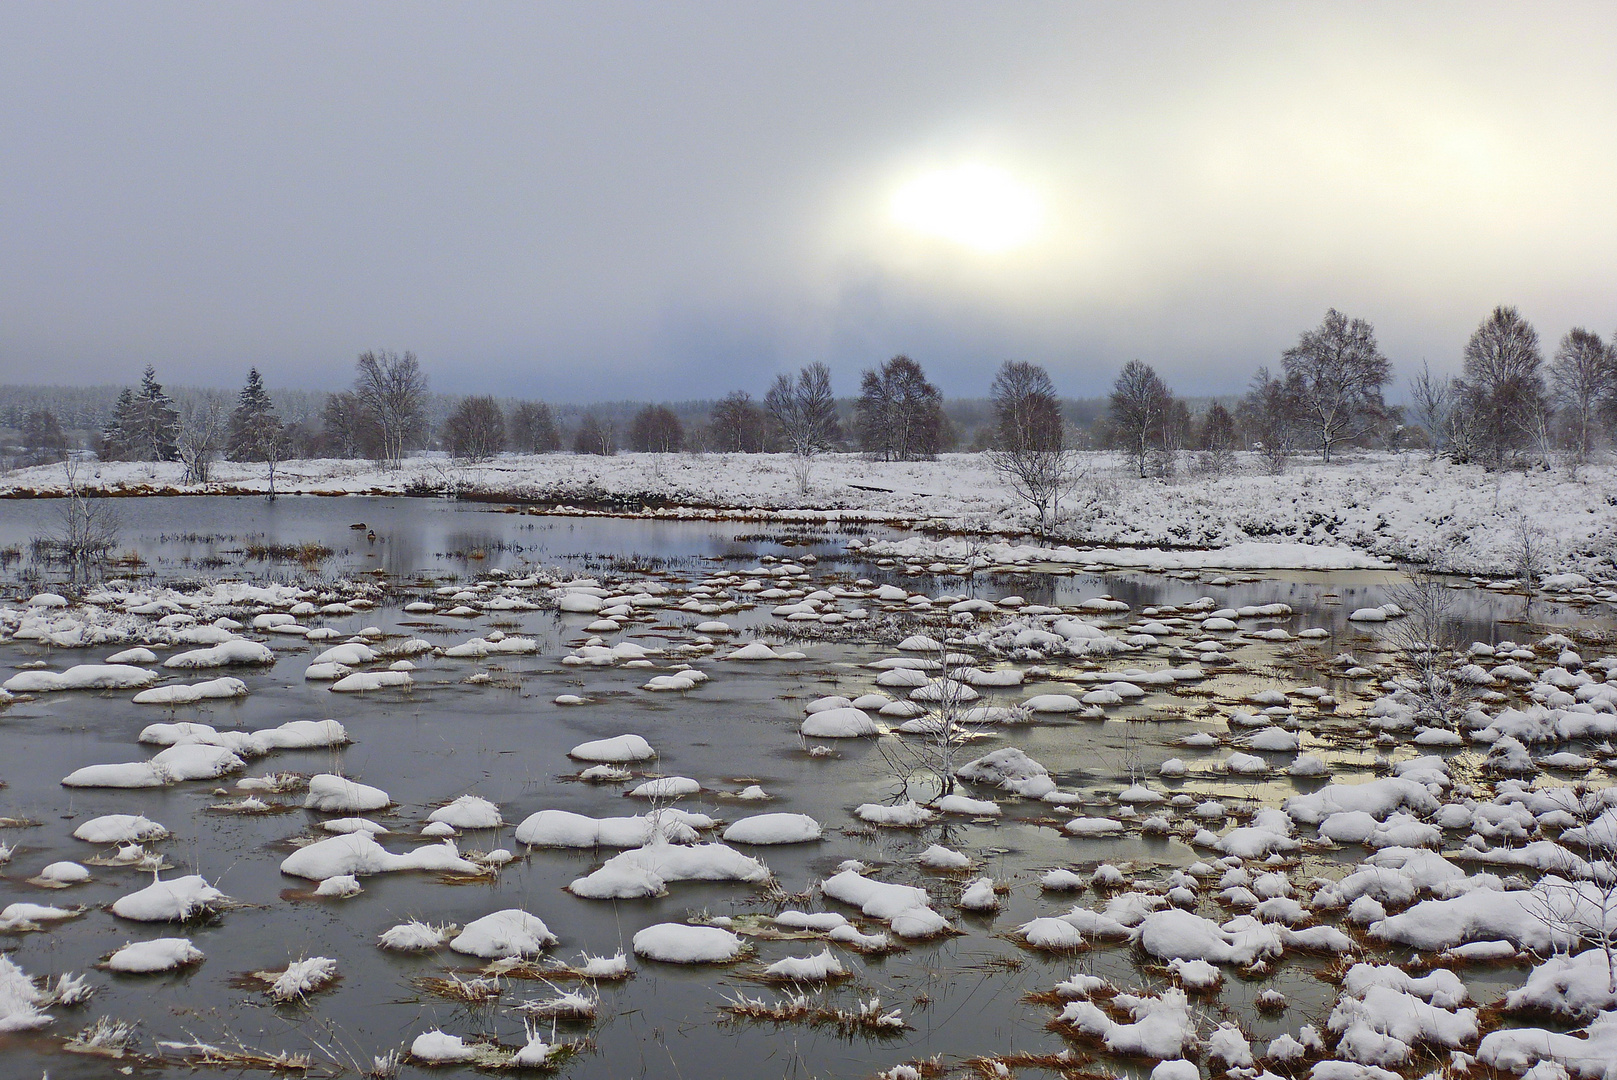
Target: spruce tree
[(254, 426), (153, 426), (115, 439)]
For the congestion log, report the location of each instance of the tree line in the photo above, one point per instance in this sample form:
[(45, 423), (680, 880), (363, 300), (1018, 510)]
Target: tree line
[(384, 415), (1508, 407)]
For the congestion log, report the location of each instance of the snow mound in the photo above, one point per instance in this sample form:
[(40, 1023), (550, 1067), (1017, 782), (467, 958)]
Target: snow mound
[(334, 794), (302, 978), (436, 1048), (647, 871), (238, 651), (617, 751), (415, 936), (1010, 769), (358, 853), (365, 681), (1161, 1026), (212, 690), (469, 812), (817, 968), (175, 900), (676, 943), (774, 829), (906, 908), (561, 828), (120, 829), (81, 677), (159, 954), (504, 934), (839, 723)]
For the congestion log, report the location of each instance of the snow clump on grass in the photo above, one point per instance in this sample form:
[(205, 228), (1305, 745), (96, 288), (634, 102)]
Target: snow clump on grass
[(416, 936), (81, 677), (905, 908), (839, 723), (302, 978)]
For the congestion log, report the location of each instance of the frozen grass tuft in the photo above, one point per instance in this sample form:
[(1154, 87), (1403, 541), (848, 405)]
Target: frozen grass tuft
[(867, 1017), (106, 1037), (573, 1005), (69, 990), (480, 991)]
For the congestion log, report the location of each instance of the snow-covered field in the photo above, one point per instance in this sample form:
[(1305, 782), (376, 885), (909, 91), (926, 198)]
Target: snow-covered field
[(1402, 507)]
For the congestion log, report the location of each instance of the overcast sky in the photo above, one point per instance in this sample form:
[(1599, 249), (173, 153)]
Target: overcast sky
[(597, 200)]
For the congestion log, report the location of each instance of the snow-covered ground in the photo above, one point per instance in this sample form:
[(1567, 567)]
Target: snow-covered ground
[(1460, 518)]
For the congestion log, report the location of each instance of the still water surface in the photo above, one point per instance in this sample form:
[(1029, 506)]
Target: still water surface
[(507, 741)]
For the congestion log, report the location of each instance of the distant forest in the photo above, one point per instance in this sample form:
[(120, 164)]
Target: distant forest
[(85, 411)]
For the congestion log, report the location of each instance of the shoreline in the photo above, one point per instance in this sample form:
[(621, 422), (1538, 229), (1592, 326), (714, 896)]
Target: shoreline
[(1401, 509)]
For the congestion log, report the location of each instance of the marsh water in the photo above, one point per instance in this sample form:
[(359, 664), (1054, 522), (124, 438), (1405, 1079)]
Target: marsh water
[(507, 740)]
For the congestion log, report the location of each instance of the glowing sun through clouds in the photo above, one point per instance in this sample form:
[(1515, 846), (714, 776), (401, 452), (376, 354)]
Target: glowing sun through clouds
[(977, 206)]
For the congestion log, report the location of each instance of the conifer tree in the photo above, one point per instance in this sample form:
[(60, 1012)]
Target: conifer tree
[(153, 423), (254, 425), (115, 438)]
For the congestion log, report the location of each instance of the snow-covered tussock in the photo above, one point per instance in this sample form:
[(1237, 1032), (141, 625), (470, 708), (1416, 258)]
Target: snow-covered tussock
[(647, 871)]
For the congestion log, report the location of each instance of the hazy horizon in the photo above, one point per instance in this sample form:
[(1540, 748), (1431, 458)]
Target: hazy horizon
[(562, 202)]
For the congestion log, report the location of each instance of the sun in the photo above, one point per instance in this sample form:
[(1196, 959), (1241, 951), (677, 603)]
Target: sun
[(977, 206)]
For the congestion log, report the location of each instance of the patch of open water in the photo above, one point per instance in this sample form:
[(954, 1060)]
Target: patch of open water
[(507, 741)]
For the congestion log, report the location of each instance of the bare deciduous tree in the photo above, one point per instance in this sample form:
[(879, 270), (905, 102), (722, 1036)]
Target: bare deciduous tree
[(595, 436), (739, 425), (1426, 638), (475, 431), (201, 438), (1501, 394), (925, 767), (1028, 453), (1178, 429), (804, 410), (391, 391), (1580, 382), (657, 430), (346, 430), (1217, 440), (86, 531), (1138, 413), (1027, 413), (1271, 414), (532, 429), (1529, 554), (1339, 372), (1431, 404), (1038, 478), (900, 414), (805, 414)]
